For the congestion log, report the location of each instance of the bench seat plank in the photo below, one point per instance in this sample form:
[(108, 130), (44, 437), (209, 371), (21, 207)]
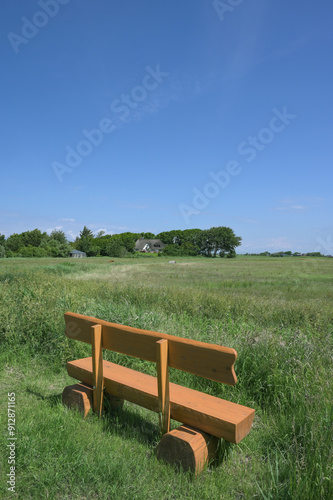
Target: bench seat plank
[(210, 414)]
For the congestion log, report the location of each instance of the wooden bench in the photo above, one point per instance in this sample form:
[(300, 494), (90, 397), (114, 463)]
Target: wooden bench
[(206, 418)]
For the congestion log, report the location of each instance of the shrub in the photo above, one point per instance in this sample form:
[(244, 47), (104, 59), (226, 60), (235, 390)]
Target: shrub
[(114, 248)]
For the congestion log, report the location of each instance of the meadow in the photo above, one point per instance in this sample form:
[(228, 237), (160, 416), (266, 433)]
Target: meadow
[(276, 312)]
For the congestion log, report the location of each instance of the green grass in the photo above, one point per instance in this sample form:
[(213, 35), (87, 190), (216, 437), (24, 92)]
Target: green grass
[(276, 312)]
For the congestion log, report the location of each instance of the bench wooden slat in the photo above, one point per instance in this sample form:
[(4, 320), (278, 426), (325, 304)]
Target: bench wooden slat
[(206, 360), (215, 416)]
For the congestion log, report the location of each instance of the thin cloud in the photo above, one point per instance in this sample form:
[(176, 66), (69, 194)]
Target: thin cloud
[(297, 207), (299, 204), (76, 188), (120, 228), (72, 234), (281, 243), (135, 206), (291, 208), (248, 54), (313, 200), (294, 46), (57, 228), (5, 213)]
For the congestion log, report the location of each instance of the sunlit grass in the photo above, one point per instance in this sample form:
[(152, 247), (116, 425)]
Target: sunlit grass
[(277, 314)]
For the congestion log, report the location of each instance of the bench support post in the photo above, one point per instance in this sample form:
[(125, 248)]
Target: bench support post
[(97, 366), (163, 384)]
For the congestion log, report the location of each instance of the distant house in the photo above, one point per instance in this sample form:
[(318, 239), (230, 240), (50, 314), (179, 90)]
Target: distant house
[(77, 254), (149, 246)]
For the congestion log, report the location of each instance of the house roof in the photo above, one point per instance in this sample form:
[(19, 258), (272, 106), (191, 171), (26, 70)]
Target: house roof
[(153, 244), (77, 252)]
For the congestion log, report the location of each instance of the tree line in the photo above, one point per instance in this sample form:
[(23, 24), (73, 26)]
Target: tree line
[(287, 253), (35, 244), (217, 241)]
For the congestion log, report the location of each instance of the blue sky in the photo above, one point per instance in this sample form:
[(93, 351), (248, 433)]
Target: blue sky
[(147, 115)]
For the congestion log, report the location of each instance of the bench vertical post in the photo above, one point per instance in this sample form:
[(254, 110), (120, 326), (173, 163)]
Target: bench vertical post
[(97, 367), (163, 384)]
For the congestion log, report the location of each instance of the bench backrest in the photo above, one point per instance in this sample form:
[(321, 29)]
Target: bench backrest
[(210, 361)]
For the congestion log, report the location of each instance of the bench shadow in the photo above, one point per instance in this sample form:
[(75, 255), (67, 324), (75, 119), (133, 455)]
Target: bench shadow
[(52, 400), (125, 421), (128, 423), (224, 450)]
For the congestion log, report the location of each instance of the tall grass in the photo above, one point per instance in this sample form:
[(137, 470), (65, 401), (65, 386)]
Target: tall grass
[(277, 315)]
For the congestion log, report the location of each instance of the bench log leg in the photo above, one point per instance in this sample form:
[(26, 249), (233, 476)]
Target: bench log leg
[(80, 397), (187, 448)]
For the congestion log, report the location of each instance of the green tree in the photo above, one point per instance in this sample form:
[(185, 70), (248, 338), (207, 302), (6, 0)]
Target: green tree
[(2, 252), (39, 252), (54, 248), (189, 248), (219, 240), (85, 242), (128, 240), (14, 242), (172, 250), (191, 236), (26, 251), (115, 249), (186, 248), (170, 237), (103, 243), (86, 233), (188, 239), (148, 236), (58, 235), (33, 238)]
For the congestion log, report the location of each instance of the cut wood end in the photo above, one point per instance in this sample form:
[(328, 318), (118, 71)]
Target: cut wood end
[(187, 448), (79, 397)]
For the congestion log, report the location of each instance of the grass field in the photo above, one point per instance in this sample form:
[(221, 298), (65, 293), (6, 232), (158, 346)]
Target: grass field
[(276, 312)]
